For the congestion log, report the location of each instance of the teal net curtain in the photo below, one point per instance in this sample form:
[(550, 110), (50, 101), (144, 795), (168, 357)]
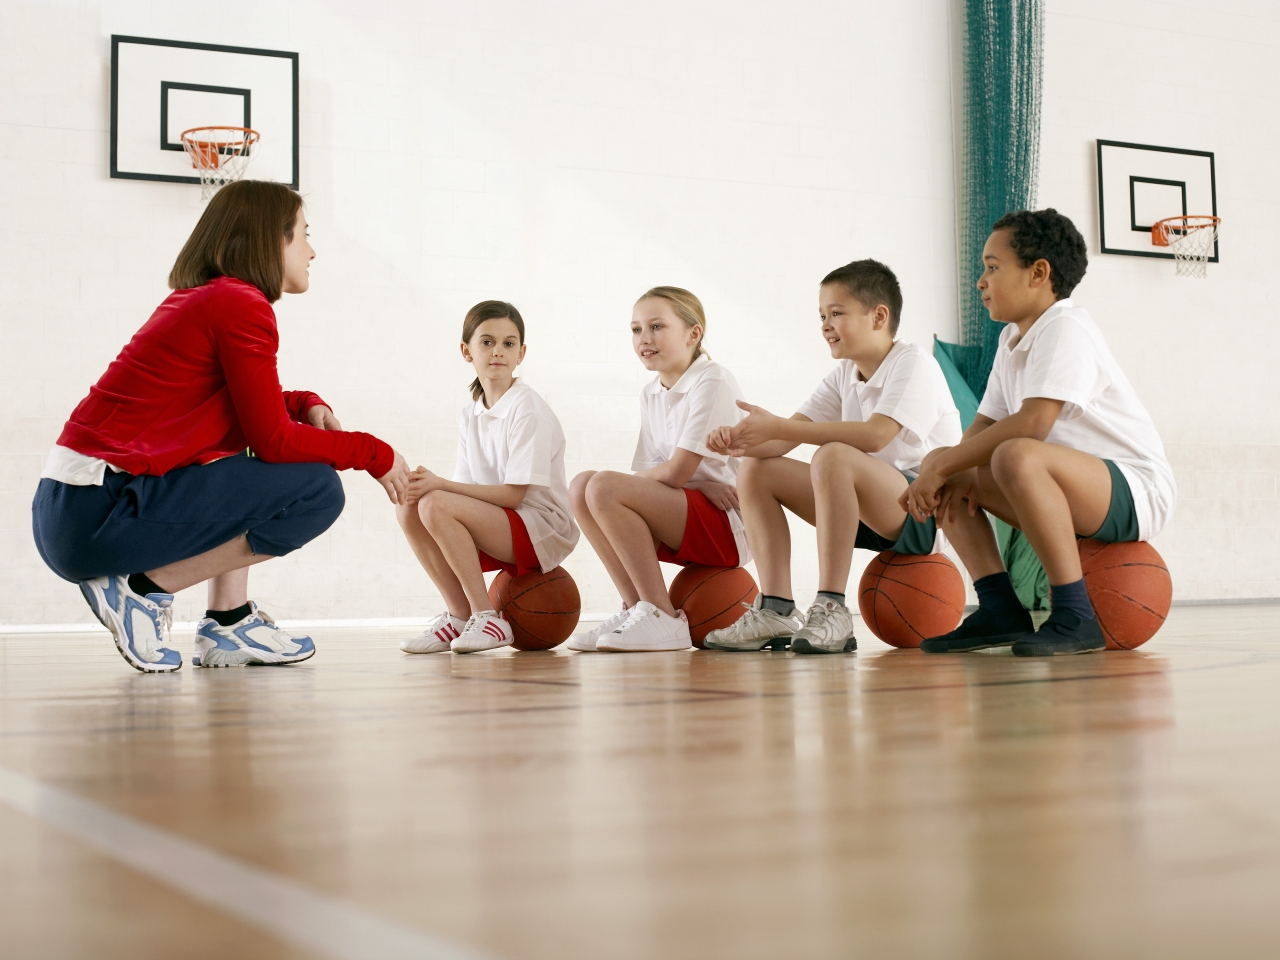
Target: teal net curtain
[(999, 163), (1000, 150)]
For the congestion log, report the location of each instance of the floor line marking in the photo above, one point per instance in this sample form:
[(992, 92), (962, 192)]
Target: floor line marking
[(326, 925)]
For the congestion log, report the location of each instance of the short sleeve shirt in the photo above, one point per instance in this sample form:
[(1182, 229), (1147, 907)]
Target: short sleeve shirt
[(1065, 357), (520, 441), (908, 387), (680, 418)]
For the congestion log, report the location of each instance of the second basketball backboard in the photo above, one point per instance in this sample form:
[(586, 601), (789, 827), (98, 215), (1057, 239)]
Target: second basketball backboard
[(1139, 184), (161, 87)]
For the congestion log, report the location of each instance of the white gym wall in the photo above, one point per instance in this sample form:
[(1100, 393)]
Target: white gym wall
[(568, 156)]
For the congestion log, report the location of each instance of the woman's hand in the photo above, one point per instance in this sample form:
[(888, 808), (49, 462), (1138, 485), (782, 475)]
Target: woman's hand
[(421, 482), (396, 480), (722, 495), (322, 417), (757, 427)]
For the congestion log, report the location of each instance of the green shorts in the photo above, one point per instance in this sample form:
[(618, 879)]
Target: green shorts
[(916, 538), (1121, 525)]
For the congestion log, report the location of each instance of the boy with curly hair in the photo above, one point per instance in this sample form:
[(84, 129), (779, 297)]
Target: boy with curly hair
[(1061, 447)]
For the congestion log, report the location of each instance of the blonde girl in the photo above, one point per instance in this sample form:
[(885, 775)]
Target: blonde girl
[(507, 506), (681, 505)]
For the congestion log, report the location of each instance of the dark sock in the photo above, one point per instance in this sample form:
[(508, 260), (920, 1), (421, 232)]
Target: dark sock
[(142, 584), (996, 595), (832, 595), (1073, 597), (779, 605), (225, 618)]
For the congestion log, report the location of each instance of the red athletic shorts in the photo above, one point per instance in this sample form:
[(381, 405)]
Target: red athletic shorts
[(708, 537), (526, 557)]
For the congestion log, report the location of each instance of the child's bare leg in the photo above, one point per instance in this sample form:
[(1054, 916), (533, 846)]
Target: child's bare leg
[(461, 526), (850, 485), (630, 512), (433, 561), (599, 542), (764, 488), (973, 536), (1056, 493)]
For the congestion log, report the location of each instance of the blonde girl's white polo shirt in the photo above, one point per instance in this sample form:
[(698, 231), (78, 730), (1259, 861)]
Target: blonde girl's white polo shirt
[(909, 388), (680, 419), (520, 441), (1065, 357)]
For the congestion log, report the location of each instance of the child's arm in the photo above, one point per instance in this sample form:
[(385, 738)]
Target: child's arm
[(761, 433), (506, 495), (677, 471), (1033, 420)]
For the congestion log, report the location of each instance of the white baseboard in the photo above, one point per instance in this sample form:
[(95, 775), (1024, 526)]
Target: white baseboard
[(189, 627)]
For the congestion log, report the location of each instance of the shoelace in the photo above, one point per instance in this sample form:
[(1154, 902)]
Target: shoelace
[(166, 623), (818, 615), (634, 616), (615, 621)]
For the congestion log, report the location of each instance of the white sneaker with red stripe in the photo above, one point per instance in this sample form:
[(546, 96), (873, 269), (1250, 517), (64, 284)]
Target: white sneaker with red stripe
[(440, 633), (486, 630)]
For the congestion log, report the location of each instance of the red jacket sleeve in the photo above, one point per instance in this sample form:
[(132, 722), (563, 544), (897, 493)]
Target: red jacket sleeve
[(243, 327), (298, 402)]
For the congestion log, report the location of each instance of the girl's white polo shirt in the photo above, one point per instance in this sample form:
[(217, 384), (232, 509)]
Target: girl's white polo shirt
[(680, 418), (909, 388), (1065, 357), (520, 441)]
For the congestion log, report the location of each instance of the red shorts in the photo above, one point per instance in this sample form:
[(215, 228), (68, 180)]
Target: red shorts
[(526, 556), (708, 537)]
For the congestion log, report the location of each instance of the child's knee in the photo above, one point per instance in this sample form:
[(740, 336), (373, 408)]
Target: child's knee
[(833, 460), (578, 489), (601, 488), (1015, 459), (433, 509)]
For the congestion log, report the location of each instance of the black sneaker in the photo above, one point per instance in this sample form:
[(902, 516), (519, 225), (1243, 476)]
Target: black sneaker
[(1065, 632), (981, 630)]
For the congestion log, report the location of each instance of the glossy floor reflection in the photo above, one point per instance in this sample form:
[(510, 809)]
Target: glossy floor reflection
[(702, 805)]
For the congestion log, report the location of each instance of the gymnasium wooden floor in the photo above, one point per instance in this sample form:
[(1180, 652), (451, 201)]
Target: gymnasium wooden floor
[(700, 805)]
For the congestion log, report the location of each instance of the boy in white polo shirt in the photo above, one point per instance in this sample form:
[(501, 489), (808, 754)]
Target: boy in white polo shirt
[(1061, 447), (873, 418)]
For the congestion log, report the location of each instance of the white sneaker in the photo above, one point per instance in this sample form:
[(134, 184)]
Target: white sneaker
[(252, 641), (647, 628), (486, 630), (759, 627), (139, 625), (585, 642), (828, 628), (440, 632)]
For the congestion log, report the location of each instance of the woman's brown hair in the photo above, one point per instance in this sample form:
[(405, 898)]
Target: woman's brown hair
[(686, 306), (241, 234), (489, 310)]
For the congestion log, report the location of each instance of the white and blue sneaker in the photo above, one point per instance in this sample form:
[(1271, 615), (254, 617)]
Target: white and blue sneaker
[(139, 625), (253, 641)]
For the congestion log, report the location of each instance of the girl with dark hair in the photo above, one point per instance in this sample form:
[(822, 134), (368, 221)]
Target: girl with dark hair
[(187, 462), (507, 507)]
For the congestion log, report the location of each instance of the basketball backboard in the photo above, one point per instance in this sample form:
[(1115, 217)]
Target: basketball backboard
[(161, 87), (1139, 184)]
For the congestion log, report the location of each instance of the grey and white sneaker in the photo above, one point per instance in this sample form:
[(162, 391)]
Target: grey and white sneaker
[(828, 628), (585, 642), (254, 641), (440, 633), (648, 629), (756, 629)]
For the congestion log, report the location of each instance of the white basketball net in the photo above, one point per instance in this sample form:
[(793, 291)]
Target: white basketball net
[(1191, 241), (220, 154)]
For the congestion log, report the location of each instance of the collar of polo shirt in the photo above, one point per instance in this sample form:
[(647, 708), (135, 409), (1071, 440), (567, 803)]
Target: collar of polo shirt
[(503, 406), (686, 381), (1025, 342)]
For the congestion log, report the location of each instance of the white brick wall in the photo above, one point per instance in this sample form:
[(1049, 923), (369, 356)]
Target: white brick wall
[(567, 156)]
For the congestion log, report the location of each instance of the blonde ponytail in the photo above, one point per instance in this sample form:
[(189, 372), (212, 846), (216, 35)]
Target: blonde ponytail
[(686, 306)]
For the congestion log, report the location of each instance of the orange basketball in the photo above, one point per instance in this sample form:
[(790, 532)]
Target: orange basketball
[(905, 599), (712, 597), (542, 608), (1130, 589)]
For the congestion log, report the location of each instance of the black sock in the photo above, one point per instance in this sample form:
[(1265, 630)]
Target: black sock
[(832, 595), (1073, 597), (225, 618), (779, 605), (996, 595), (140, 583)]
